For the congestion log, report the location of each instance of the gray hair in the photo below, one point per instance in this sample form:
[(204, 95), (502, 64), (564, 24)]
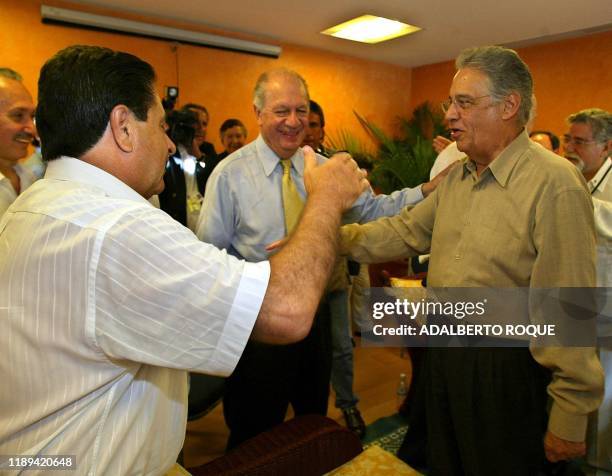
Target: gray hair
[(506, 71), (259, 93), (599, 120), (10, 74)]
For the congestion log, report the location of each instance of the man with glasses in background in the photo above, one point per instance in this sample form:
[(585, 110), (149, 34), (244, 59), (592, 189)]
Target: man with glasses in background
[(587, 145), (512, 216)]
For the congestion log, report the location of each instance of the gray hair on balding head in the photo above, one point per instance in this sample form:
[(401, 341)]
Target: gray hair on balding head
[(10, 74), (599, 120), (506, 71), (259, 93)]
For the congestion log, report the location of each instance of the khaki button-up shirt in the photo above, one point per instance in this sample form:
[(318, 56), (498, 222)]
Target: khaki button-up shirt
[(526, 221)]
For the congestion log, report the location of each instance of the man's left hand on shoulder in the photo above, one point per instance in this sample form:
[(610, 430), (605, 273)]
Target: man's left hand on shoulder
[(430, 186)]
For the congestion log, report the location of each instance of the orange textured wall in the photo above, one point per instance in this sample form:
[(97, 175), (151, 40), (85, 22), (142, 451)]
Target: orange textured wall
[(569, 75), (221, 80)]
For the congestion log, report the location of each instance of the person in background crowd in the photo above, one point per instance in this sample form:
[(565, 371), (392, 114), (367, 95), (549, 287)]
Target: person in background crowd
[(16, 134), (206, 148), (546, 139), (184, 176), (588, 145), (208, 155), (315, 131), (342, 371), (233, 136)]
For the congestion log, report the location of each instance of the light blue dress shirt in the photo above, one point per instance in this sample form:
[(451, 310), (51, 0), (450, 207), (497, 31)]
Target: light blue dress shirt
[(243, 209)]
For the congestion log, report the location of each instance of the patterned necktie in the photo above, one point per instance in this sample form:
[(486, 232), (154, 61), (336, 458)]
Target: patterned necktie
[(292, 202)]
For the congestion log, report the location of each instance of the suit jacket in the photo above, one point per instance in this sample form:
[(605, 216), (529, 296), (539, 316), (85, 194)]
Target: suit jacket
[(173, 200), (208, 149)]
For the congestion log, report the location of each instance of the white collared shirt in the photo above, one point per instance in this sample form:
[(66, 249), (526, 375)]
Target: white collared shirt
[(601, 191), (193, 197), (7, 192), (449, 155), (105, 302)]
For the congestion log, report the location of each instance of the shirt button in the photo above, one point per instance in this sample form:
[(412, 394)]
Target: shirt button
[(457, 257)]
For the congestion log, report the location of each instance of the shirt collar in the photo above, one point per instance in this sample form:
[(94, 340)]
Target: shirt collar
[(600, 174), (19, 170), (269, 160), (182, 154), (75, 170), (502, 165)]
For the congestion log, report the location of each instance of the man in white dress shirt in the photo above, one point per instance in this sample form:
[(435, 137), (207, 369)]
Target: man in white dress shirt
[(107, 301), (16, 134)]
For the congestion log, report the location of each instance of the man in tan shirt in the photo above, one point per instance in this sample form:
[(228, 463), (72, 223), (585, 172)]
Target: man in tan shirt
[(512, 215)]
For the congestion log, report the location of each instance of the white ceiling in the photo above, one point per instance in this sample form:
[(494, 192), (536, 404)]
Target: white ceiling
[(447, 26)]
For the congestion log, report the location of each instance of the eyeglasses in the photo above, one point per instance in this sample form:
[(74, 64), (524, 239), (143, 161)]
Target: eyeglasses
[(461, 102), (578, 141)]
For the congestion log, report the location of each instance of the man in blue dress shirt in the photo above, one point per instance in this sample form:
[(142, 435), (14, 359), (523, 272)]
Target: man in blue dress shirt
[(243, 212)]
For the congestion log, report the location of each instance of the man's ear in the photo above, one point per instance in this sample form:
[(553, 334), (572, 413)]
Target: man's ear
[(512, 103), (121, 123), (257, 114)]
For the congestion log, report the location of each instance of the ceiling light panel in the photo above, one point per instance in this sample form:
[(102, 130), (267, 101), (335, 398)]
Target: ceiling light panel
[(370, 29)]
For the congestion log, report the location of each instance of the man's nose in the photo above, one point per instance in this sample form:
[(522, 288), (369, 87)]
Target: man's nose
[(293, 119), (451, 112), (29, 126)]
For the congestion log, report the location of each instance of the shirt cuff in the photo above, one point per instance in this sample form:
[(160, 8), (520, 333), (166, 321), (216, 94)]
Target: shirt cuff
[(568, 426), (419, 194), (242, 317)]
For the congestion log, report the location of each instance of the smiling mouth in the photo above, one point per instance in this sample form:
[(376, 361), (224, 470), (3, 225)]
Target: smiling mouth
[(291, 132)]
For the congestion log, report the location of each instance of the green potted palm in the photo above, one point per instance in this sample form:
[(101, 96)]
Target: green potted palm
[(397, 162)]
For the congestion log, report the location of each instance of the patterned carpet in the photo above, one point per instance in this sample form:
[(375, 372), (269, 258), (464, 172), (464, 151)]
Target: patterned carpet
[(388, 433)]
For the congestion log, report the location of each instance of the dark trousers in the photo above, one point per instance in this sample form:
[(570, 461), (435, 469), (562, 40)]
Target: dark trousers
[(268, 378), (413, 449), (486, 412)]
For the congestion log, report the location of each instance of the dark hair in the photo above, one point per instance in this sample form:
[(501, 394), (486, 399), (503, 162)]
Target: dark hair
[(77, 90), (9, 73), (314, 107), (229, 123), (554, 140), (191, 106), (182, 126)]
